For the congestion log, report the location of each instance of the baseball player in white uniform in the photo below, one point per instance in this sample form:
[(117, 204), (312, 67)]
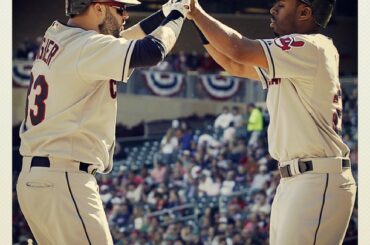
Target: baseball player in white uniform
[(68, 133), (316, 194)]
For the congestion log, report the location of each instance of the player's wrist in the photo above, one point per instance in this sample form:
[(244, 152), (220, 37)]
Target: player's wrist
[(182, 6), (195, 12), (166, 8)]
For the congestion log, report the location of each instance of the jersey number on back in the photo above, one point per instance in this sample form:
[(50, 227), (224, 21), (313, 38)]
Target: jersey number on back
[(40, 85)]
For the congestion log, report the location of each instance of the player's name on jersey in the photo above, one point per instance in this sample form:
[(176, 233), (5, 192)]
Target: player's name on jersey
[(274, 81), (47, 51)]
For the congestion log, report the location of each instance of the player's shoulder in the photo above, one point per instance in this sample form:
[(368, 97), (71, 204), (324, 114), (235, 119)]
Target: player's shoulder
[(64, 33), (318, 40), (313, 42)]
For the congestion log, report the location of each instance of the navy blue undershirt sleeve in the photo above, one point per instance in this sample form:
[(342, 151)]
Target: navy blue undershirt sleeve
[(149, 51), (152, 22)]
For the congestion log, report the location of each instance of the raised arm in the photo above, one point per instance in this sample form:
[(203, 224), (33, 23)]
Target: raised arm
[(227, 40), (232, 67), (152, 49), (147, 25)]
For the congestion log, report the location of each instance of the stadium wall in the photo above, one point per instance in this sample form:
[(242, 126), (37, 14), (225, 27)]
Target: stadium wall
[(133, 109)]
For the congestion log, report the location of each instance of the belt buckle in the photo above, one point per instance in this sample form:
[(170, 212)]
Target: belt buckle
[(293, 167)]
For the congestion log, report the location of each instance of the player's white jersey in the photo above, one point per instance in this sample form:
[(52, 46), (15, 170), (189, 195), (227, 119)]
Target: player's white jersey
[(304, 97), (71, 102)]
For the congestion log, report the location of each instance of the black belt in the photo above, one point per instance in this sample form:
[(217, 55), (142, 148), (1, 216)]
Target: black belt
[(305, 167), (45, 163)]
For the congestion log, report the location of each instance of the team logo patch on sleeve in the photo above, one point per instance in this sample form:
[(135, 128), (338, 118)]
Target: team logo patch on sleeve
[(286, 43)]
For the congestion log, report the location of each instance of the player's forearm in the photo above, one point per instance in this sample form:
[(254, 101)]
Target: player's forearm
[(228, 41), (219, 35), (169, 30), (232, 67), (152, 49), (144, 27)]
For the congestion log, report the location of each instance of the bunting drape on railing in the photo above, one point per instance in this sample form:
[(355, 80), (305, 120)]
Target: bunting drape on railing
[(220, 87), (159, 82), (22, 72), (164, 83)]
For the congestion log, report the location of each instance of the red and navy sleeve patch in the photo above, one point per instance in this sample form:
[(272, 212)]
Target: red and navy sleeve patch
[(287, 43)]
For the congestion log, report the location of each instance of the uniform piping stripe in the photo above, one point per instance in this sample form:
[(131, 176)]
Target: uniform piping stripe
[(272, 60), (322, 207), (264, 77), (124, 63), (78, 212)]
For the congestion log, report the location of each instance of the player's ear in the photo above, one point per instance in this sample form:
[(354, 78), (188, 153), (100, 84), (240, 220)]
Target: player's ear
[(99, 10), (304, 12)]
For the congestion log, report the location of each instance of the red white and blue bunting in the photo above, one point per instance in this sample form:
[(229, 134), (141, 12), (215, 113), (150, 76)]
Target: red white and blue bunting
[(160, 83), (220, 87), (22, 72), (164, 83)]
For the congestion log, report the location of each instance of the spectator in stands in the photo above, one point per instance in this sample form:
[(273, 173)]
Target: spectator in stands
[(222, 162), (237, 117), (228, 184), (169, 145), (241, 176), (158, 173), (181, 62), (228, 136), (105, 194), (120, 215), (255, 124), (134, 192), (237, 239), (260, 179), (237, 151), (193, 61), (206, 139), (170, 234), (269, 162), (185, 234), (178, 171), (186, 158), (261, 204), (224, 119), (186, 138), (207, 186)]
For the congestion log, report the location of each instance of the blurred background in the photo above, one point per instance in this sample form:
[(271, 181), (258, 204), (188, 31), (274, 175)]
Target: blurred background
[(187, 170)]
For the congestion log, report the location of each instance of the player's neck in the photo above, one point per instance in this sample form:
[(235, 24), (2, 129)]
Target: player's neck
[(83, 23), (310, 28)]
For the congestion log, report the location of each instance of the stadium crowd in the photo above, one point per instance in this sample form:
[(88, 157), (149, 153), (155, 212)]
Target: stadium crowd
[(211, 185)]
